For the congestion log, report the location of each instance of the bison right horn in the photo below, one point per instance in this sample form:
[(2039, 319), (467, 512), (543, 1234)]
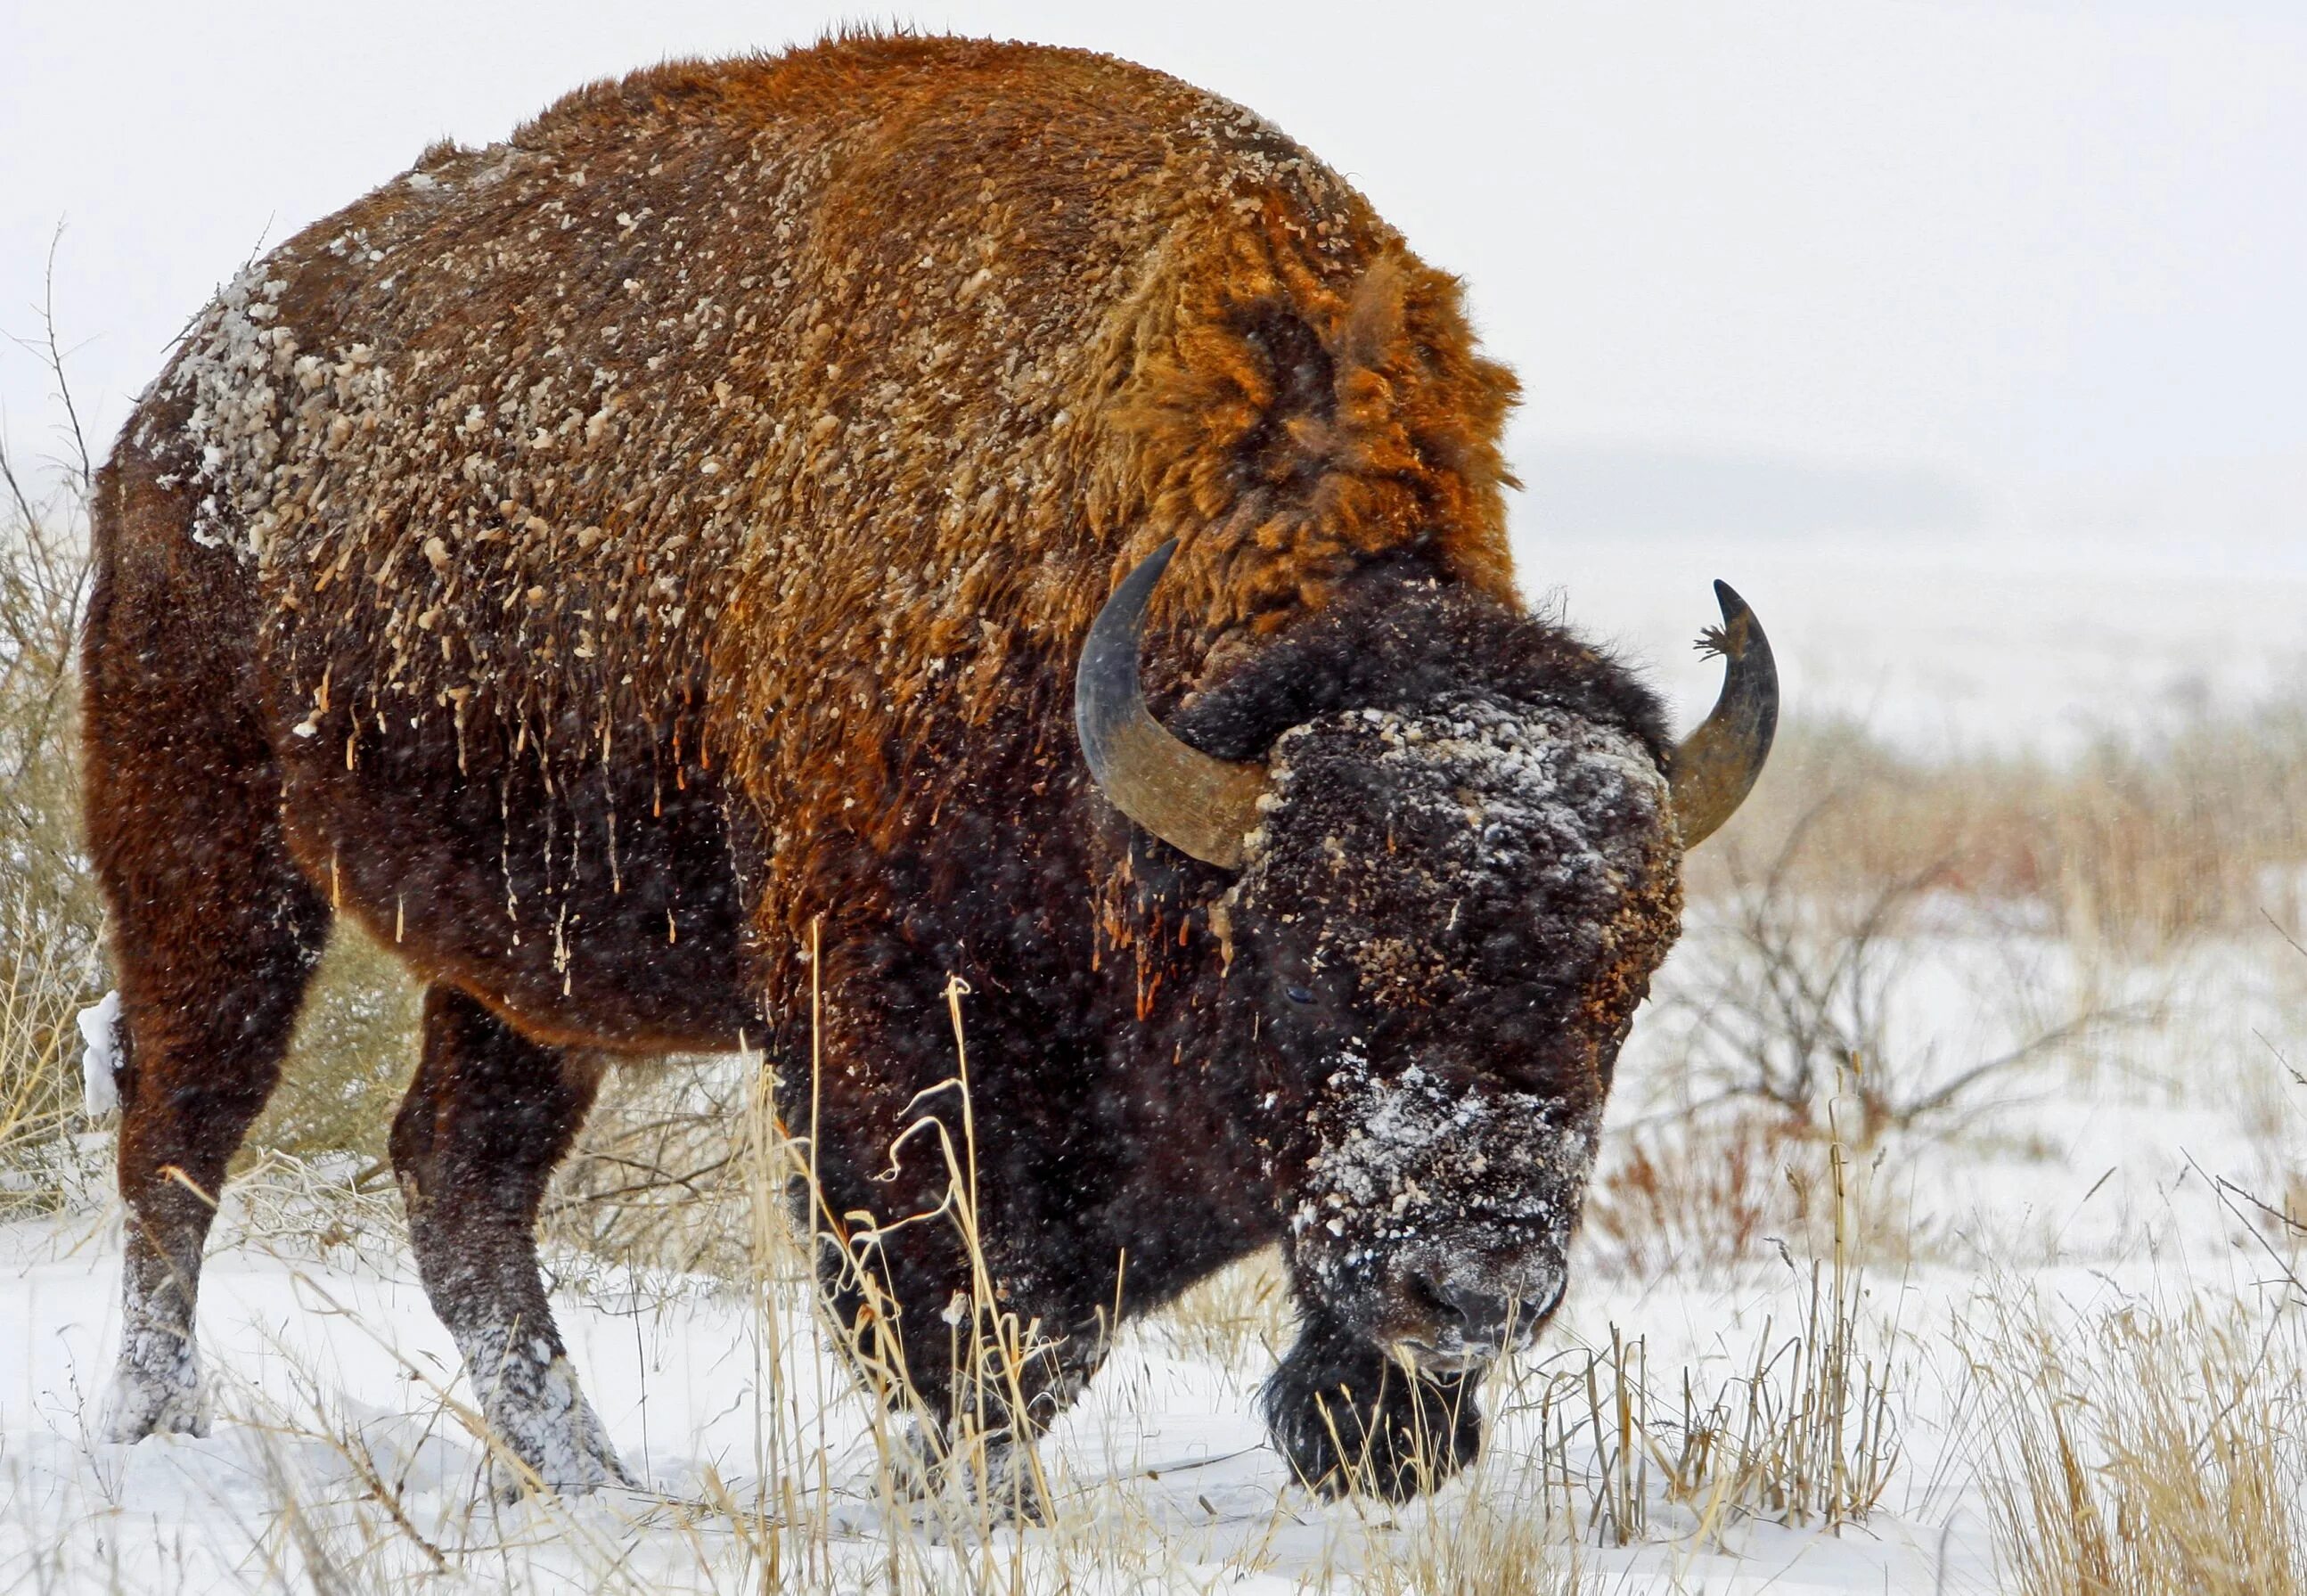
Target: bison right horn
[(1714, 767), (1197, 804)]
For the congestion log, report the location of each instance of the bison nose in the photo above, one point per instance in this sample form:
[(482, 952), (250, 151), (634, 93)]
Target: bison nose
[(1480, 1317), (1477, 1315)]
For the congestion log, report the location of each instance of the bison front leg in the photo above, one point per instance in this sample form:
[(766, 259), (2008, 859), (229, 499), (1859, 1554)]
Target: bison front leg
[(970, 1414), (488, 1116), (1350, 1419), (972, 1354)]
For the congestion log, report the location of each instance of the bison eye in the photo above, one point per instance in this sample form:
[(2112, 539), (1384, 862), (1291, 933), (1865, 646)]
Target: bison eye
[(1297, 994)]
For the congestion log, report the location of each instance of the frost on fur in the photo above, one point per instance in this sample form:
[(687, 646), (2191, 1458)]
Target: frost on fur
[(531, 1397), (99, 1058)]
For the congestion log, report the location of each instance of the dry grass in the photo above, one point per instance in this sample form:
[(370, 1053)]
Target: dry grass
[(1495, 1546), (1805, 1435), (50, 921), (2134, 847), (1803, 1432), (1240, 1316), (1694, 1196), (2150, 1452)]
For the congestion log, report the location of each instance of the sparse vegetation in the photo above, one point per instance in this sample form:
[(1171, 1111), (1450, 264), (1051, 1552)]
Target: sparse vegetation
[(1695, 1195)]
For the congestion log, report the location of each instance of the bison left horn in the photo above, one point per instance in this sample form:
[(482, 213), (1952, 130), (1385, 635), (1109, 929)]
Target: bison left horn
[(1197, 804), (1714, 767)]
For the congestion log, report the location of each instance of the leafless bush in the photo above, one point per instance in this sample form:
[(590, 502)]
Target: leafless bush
[(352, 1055), (657, 1177), (1790, 995)]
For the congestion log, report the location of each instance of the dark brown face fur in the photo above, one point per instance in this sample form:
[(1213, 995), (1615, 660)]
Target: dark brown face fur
[(1459, 893), (1459, 906)]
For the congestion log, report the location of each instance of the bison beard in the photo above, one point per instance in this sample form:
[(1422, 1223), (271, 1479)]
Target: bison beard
[(1347, 1417), (638, 573)]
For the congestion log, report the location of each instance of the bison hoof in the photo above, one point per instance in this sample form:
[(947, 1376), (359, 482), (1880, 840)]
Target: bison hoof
[(994, 1482), (547, 1435), (566, 1452), (156, 1391), (1350, 1419)]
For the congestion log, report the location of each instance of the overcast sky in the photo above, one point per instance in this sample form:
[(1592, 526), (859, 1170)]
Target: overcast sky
[(1977, 238)]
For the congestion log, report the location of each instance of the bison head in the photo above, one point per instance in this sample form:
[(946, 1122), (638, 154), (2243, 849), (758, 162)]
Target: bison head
[(1447, 912)]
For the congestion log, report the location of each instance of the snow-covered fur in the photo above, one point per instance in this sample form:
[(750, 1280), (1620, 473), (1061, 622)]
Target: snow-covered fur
[(1531, 840), (155, 1388), (530, 1398)]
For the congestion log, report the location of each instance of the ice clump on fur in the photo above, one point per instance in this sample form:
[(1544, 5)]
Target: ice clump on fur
[(530, 1396), (237, 367), (100, 1057)]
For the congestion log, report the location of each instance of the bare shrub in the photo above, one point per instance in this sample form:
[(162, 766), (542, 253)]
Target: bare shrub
[(658, 1179), (43, 981), (1701, 1194), (51, 920), (1790, 990)]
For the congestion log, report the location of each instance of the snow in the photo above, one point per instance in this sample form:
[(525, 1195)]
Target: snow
[(99, 1058)]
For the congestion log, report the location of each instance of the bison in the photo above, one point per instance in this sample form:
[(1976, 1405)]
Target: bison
[(659, 574)]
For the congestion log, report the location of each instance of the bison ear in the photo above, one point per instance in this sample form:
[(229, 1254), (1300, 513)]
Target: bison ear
[(1714, 767), (1198, 804)]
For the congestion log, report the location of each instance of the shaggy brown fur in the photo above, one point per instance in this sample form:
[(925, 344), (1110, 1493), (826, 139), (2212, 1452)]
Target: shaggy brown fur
[(835, 382), (605, 562)]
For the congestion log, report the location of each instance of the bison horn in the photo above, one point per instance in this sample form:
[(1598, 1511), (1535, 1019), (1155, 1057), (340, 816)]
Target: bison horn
[(1714, 767), (1198, 804)]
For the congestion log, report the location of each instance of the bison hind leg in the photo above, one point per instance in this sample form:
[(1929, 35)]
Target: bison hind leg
[(486, 1119), (1348, 1418)]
